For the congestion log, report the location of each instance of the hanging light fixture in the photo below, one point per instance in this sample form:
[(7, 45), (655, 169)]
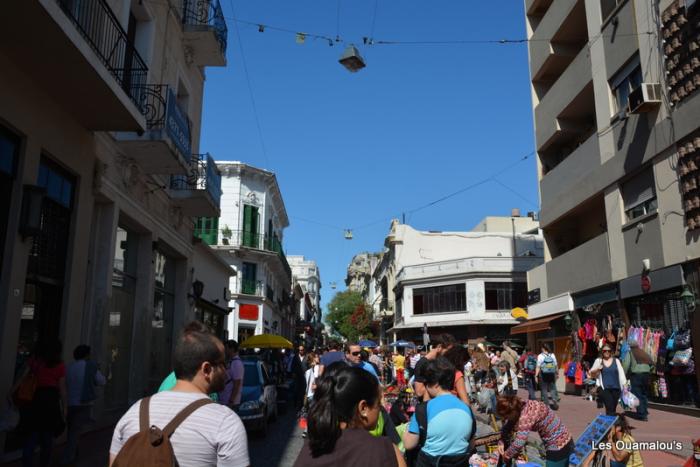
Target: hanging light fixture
[(688, 298), (351, 59), (348, 234)]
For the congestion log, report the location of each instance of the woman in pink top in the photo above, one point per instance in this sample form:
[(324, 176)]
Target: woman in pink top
[(44, 418)]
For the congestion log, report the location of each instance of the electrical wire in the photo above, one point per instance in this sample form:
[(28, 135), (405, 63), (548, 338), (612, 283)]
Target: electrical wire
[(250, 88), (519, 195)]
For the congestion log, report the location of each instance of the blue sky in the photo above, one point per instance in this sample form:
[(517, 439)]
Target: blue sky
[(350, 149)]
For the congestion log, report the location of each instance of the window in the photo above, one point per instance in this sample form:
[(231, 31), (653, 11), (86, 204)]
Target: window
[(442, 299), (608, 6), (251, 223), (162, 318), (505, 295), (249, 279), (639, 195), (624, 82)]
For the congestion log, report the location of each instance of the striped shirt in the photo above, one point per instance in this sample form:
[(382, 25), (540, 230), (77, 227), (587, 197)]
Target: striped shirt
[(538, 417), (212, 436)]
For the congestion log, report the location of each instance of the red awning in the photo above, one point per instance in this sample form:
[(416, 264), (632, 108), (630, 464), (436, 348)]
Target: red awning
[(540, 324)]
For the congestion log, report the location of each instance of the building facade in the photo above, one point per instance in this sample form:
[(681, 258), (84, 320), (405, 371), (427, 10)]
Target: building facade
[(617, 130), (464, 283), (307, 277), (102, 174), (248, 236)]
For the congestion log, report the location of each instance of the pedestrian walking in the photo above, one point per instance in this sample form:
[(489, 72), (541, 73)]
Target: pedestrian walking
[(210, 433), (446, 423), (522, 417), (637, 365), (353, 356), (43, 419), (82, 377), (399, 367), (378, 362), (231, 394), (507, 380), (546, 373), (332, 355), (441, 344), (528, 363), (346, 407), (610, 379), (301, 355)]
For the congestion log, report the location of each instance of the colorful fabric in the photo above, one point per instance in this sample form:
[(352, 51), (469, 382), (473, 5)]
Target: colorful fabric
[(537, 416)]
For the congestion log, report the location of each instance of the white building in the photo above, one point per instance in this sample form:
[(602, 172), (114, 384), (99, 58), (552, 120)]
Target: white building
[(210, 288), (248, 236), (101, 176), (307, 277), (464, 283)]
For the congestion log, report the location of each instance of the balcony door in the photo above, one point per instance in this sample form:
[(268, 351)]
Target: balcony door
[(251, 226), (249, 279)]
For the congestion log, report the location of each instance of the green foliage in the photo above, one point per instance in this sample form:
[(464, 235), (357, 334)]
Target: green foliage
[(349, 317)]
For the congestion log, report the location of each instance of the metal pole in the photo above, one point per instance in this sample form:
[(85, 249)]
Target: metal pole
[(512, 221)]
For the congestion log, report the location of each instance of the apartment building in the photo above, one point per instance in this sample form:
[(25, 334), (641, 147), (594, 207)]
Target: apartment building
[(248, 236), (101, 176), (464, 283), (617, 131), (306, 280)]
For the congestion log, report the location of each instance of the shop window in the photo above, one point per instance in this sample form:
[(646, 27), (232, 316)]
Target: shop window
[(639, 195), (501, 296), (9, 150), (441, 299), (624, 82)]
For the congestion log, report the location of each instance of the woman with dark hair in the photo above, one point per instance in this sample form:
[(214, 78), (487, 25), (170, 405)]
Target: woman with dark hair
[(457, 356), (44, 418), (610, 379), (346, 406), (520, 418)]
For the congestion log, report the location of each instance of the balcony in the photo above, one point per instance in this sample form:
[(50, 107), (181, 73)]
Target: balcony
[(582, 268), (250, 287), (78, 53), (166, 147), (205, 31), (256, 242), (199, 192)]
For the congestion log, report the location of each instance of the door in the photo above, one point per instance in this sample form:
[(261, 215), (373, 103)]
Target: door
[(249, 279), (251, 222)]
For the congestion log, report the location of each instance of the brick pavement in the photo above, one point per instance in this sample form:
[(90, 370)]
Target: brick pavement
[(577, 413)]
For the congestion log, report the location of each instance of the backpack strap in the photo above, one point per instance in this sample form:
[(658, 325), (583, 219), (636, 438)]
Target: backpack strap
[(422, 419), (144, 422), (183, 414)]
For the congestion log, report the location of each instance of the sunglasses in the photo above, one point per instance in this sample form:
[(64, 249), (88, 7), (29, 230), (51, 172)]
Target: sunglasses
[(354, 354), (606, 350)]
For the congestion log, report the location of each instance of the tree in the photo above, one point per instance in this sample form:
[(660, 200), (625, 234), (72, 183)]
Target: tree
[(348, 315)]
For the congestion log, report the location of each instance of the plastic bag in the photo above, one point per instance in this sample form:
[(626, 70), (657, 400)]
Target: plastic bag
[(9, 417), (629, 399)]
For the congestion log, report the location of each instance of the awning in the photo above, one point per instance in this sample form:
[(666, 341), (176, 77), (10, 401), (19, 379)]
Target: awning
[(534, 325), (595, 297), (551, 306)]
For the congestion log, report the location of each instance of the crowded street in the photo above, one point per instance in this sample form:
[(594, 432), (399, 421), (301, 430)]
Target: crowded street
[(333, 233)]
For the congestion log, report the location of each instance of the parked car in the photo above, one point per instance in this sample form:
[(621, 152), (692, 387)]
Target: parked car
[(258, 397)]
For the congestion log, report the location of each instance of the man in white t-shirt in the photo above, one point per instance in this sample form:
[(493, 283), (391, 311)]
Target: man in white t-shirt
[(546, 373), (212, 435)]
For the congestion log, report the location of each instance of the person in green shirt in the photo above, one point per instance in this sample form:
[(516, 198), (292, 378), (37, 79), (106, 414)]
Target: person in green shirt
[(637, 365)]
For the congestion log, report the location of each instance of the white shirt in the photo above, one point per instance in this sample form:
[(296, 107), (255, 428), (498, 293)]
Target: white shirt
[(212, 436), (75, 380), (503, 381), (310, 376)]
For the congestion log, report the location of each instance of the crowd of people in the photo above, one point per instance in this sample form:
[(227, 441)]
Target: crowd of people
[(363, 406)]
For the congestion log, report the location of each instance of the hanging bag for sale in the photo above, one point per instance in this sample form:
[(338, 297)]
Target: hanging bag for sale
[(682, 357)]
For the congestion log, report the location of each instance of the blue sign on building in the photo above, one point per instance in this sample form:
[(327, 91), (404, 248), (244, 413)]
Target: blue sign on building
[(178, 126)]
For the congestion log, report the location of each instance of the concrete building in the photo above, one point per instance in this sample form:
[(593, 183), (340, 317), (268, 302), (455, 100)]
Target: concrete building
[(101, 174), (307, 277), (359, 272), (617, 130), (248, 236), (464, 283)]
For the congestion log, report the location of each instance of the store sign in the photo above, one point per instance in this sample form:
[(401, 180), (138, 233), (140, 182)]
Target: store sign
[(592, 435), (248, 312)]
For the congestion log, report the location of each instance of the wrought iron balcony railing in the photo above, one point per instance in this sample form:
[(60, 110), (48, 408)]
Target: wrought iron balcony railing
[(206, 13), (159, 105), (250, 287), (203, 175), (98, 25)]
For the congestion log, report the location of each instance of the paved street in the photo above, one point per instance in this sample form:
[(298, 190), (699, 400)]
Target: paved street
[(281, 445)]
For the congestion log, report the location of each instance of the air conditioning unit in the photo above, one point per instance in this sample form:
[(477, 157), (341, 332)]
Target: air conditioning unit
[(644, 98)]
